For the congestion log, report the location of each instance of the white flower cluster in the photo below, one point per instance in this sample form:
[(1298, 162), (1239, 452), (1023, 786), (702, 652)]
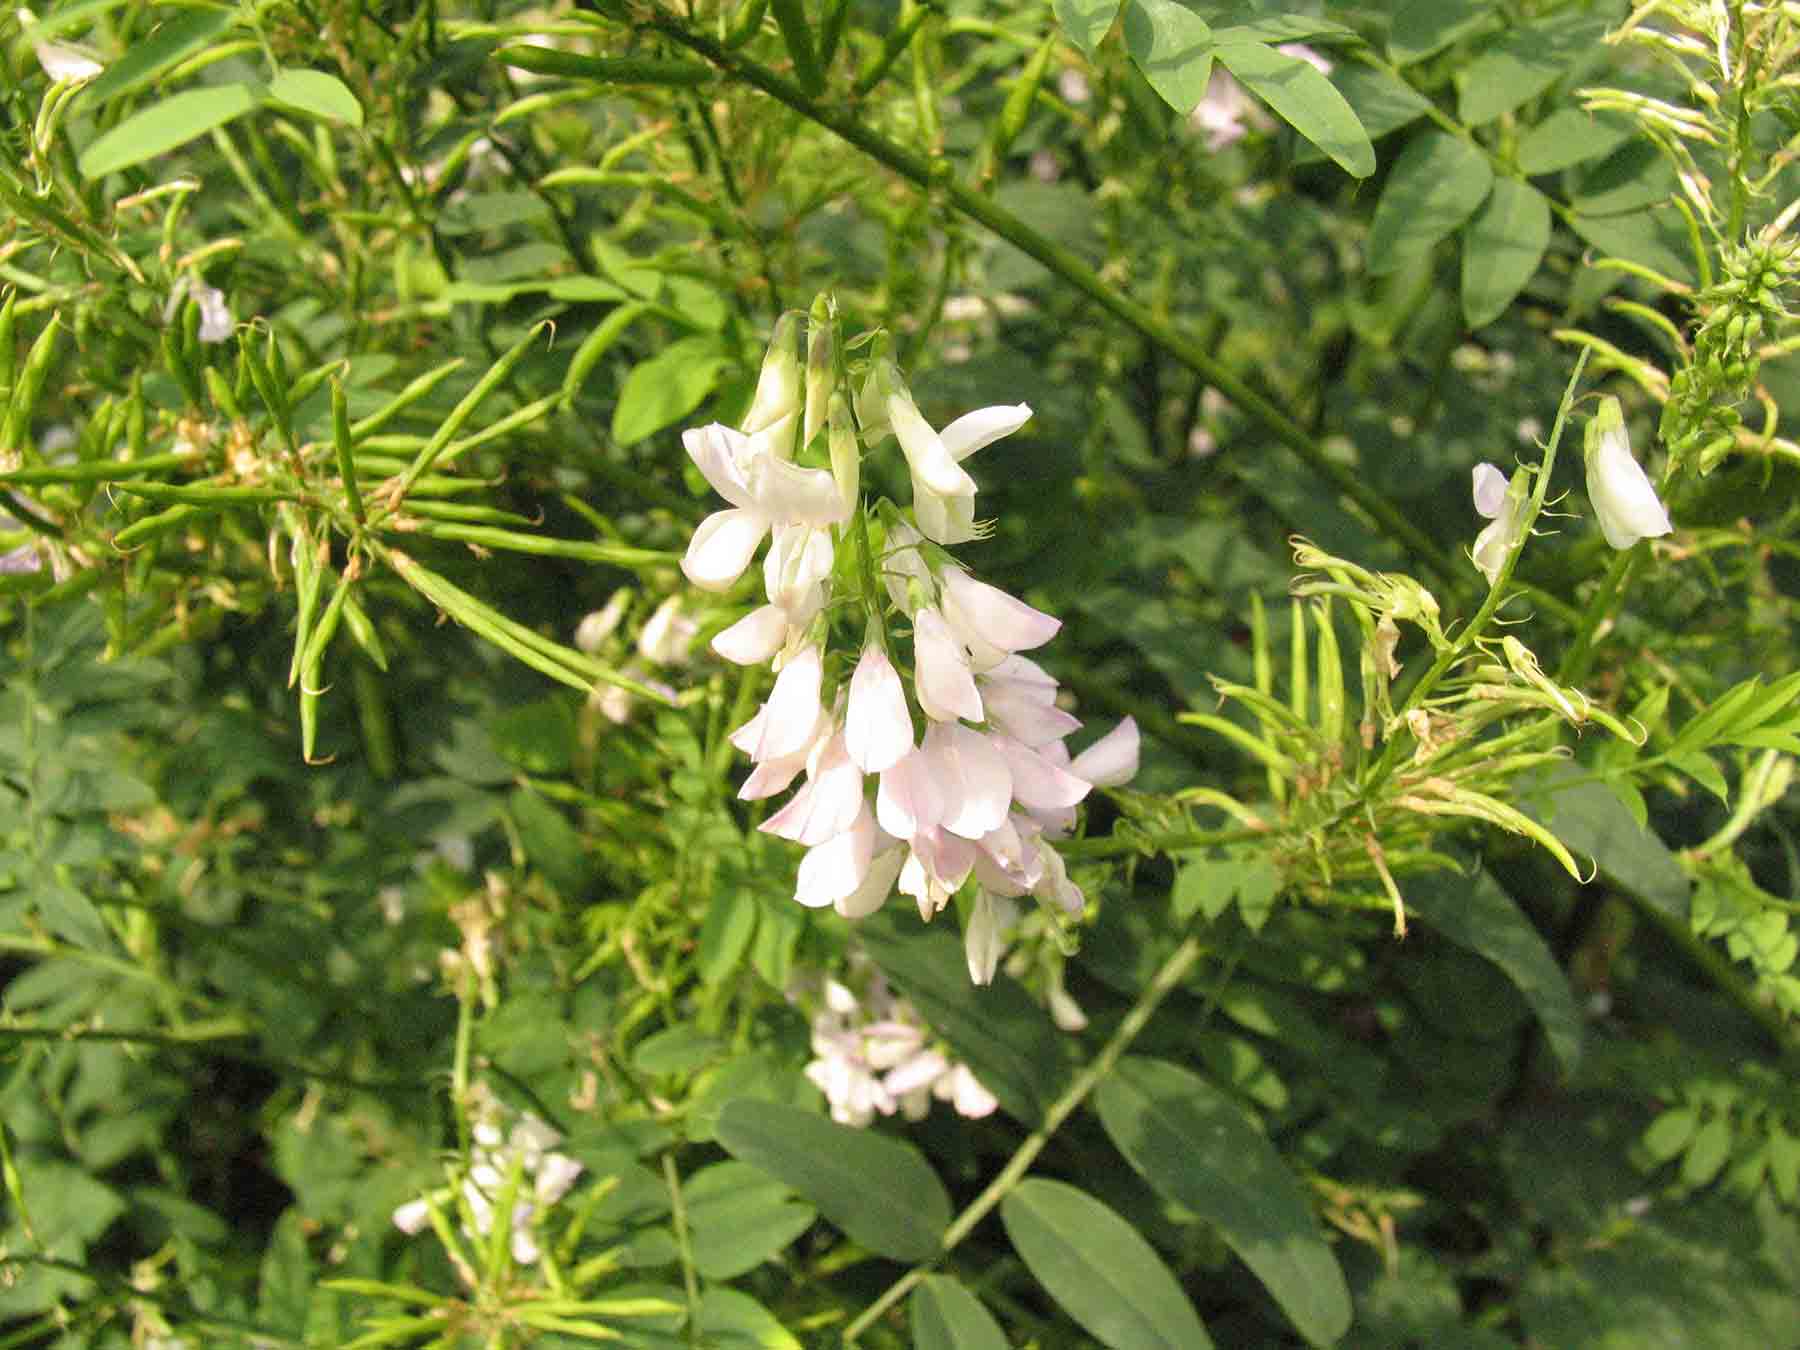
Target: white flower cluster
[(990, 782), (547, 1177), (872, 1055)]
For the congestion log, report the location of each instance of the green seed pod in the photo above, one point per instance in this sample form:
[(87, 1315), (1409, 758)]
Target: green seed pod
[(596, 344), (152, 526), (136, 425), (178, 359), (29, 386), (224, 397), (790, 17), (1017, 110), (340, 435), (8, 357), (1331, 674), (362, 631), (746, 23)]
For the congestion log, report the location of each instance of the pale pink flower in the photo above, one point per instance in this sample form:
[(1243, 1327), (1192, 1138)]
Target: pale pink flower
[(941, 675), (755, 638), (829, 804), (990, 623), (1111, 761), (877, 724), (1019, 697)]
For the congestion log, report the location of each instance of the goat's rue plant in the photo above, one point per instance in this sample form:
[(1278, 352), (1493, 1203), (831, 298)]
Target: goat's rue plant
[(1229, 674)]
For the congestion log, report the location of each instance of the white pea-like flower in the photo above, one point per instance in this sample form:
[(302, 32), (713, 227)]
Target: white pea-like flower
[(1502, 505), (1628, 507)]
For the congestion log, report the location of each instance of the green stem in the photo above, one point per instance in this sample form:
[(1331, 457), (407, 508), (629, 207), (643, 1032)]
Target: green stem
[(1580, 657), (934, 176), (683, 1245), (1161, 985)]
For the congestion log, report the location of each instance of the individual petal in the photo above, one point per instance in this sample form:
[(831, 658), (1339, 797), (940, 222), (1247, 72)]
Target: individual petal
[(555, 1175), (877, 723), (991, 622), (877, 885), (1020, 699), (920, 1071), (909, 800), (1624, 500), (983, 427), (64, 62), (754, 638), (215, 315), (791, 716), (975, 775), (984, 940), (412, 1216), (796, 569), (1494, 543), (1056, 886), (723, 456), (828, 805), (966, 1093), (890, 1042), (935, 867), (1038, 784), (941, 675), (1111, 761), (835, 869), (780, 384), (1490, 489), (720, 549), (949, 519), (786, 492), (1006, 858)]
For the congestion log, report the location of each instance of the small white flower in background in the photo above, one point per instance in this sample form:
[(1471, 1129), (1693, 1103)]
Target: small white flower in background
[(872, 1056), (61, 61), (593, 630), (1502, 504), (215, 315), (1225, 113), (1628, 507), (1302, 52), (546, 1178), (667, 635)]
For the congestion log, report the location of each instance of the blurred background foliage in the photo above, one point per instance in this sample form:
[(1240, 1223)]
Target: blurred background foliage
[(332, 846)]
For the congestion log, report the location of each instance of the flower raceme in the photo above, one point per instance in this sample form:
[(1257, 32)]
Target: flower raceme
[(972, 781)]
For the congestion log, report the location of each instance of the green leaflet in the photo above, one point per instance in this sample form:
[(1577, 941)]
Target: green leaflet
[(1193, 1144), (1100, 1269)]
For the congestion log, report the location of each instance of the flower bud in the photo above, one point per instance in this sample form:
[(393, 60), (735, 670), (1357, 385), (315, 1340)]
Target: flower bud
[(779, 387)]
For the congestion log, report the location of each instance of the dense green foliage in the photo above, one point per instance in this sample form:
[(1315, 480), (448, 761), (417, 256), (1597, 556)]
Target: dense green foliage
[(388, 957)]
